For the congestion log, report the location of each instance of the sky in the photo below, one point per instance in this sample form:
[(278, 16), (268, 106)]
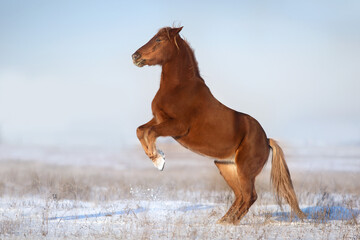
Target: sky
[(66, 75)]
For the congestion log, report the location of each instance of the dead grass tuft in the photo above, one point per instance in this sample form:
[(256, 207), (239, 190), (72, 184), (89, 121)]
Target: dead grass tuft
[(9, 227)]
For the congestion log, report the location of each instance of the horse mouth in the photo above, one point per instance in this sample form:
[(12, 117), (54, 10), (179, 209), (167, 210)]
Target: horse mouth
[(140, 62)]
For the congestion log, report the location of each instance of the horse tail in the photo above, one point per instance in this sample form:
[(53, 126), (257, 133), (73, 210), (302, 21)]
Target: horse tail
[(281, 180)]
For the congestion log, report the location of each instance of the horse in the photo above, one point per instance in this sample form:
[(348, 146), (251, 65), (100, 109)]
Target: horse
[(185, 109)]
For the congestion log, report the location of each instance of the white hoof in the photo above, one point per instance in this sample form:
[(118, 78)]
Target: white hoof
[(159, 162)]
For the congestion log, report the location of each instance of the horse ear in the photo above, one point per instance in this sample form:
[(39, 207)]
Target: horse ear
[(175, 31)]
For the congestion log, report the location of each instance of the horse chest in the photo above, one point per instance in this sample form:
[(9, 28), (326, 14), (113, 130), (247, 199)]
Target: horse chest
[(171, 104)]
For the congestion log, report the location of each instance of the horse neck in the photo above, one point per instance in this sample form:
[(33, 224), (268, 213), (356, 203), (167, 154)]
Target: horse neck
[(182, 68)]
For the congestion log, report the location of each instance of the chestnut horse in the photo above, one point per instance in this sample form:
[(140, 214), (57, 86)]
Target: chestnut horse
[(185, 109)]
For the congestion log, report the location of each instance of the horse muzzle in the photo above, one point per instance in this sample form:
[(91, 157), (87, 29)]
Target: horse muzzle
[(136, 57)]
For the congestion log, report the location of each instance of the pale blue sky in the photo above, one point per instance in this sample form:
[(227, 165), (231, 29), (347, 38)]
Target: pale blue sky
[(66, 75)]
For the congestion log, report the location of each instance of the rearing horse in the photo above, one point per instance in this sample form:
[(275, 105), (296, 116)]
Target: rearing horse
[(185, 109)]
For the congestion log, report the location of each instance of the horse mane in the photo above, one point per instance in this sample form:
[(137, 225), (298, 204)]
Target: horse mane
[(193, 61)]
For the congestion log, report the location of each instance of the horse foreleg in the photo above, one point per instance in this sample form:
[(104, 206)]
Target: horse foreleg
[(166, 128), (142, 133)]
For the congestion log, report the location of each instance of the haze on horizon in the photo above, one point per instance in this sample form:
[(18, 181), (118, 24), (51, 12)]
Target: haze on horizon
[(66, 75)]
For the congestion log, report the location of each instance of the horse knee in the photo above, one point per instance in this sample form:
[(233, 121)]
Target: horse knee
[(140, 132), (152, 134)]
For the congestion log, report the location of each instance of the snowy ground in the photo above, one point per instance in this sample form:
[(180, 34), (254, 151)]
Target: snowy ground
[(112, 194)]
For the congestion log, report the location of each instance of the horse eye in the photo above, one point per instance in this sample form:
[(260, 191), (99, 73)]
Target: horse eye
[(158, 40)]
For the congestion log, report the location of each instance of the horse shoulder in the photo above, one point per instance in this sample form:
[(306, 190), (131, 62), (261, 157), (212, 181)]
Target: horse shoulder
[(178, 102)]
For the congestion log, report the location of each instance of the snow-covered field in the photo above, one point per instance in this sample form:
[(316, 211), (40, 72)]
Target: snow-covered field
[(99, 193)]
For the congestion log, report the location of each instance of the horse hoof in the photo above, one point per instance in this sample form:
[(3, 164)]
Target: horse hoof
[(159, 162), (225, 221), (161, 153)]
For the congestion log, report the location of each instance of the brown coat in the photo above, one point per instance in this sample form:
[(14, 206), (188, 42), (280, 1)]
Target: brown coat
[(185, 109)]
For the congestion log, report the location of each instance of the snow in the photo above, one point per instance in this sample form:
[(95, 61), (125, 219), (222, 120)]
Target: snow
[(184, 212), (126, 218)]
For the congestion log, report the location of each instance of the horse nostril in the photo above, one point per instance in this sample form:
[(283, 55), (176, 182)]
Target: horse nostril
[(136, 56)]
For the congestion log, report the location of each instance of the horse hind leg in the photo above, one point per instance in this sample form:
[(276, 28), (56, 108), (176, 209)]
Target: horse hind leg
[(248, 167), (249, 197), (229, 172), (240, 176)]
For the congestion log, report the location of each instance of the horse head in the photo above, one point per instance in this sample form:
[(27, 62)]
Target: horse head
[(159, 49)]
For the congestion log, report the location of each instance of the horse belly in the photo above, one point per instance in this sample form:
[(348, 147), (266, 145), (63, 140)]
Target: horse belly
[(214, 144)]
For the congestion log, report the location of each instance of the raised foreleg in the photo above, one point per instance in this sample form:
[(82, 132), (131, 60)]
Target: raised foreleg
[(148, 133), (142, 133)]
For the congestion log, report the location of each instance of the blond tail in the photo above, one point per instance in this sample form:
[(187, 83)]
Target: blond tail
[(281, 180)]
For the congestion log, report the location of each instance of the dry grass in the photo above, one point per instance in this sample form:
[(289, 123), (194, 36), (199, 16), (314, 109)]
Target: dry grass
[(99, 184), (104, 184), (9, 227), (184, 180)]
